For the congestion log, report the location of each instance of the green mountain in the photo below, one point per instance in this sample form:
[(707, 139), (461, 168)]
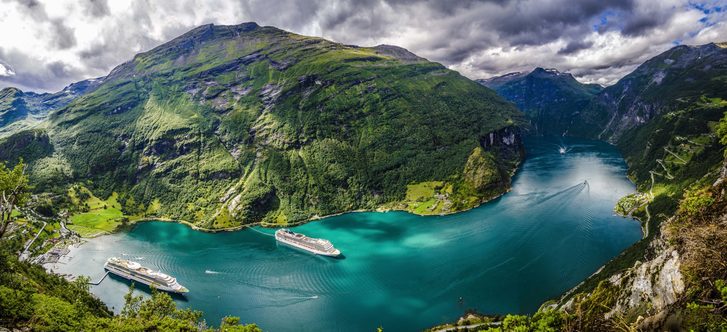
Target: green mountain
[(550, 99), (229, 125)]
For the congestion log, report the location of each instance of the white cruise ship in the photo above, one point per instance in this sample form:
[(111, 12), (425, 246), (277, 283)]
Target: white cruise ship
[(317, 246), (134, 271)]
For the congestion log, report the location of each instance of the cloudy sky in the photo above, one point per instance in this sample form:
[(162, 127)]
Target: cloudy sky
[(45, 45)]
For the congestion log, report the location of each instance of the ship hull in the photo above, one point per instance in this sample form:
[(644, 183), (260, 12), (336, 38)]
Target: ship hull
[(132, 277)]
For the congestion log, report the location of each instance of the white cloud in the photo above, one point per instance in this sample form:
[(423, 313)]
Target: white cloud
[(55, 42), (6, 71)]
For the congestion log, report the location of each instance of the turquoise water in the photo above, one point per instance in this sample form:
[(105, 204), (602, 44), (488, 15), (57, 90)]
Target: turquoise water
[(400, 271)]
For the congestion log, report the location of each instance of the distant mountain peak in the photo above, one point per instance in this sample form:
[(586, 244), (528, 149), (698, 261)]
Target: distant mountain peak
[(546, 70), (496, 81), (547, 96), (10, 91), (513, 74), (537, 73), (200, 34)]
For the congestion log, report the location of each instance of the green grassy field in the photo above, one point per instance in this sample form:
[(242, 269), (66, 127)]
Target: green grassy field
[(421, 198), (103, 216), (95, 222)]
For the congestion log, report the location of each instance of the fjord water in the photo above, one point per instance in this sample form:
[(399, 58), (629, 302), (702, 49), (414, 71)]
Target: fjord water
[(400, 271)]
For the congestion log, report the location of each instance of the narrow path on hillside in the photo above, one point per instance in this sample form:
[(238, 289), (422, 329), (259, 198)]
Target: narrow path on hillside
[(684, 162), (668, 175), (24, 255)]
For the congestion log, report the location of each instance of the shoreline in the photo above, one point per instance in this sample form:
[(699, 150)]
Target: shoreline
[(313, 218), (73, 246), (381, 208), (69, 248)]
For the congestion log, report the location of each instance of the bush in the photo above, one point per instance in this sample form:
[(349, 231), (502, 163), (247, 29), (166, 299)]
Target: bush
[(695, 202)]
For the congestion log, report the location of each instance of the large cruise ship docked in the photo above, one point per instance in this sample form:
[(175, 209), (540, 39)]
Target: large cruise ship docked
[(134, 271), (317, 246)]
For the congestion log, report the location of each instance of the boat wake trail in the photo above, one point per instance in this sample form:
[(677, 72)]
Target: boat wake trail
[(572, 190), (280, 302), (261, 232), (304, 297), (211, 272)]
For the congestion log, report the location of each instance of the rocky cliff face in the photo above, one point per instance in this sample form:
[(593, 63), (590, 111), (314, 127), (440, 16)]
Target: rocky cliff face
[(493, 165), (655, 284), (645, 291)]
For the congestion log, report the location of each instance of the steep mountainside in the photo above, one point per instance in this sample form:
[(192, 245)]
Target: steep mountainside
[(23, 110), (667, 82), (549, 98), (227, 125)]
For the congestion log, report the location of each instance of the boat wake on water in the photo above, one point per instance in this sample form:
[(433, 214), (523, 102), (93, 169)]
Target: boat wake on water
[(261, 232), (304, 297), (282, 301), (572, 190), (211, 272), (138, 258)]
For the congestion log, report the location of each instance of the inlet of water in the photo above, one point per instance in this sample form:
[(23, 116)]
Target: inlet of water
[(400, 271)]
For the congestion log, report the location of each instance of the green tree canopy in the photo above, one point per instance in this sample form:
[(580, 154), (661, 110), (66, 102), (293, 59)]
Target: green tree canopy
[(14, 192)]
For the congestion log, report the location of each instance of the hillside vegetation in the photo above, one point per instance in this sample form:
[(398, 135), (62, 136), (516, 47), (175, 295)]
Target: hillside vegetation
[(669, 119), (230, 125), (35, 300)]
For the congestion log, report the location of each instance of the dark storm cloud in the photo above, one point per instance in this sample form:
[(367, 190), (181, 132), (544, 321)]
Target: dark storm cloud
[(543, 18), (32, 8), (575, 46), (64, 36), (474, 25), (59, 69), (638, 25)]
